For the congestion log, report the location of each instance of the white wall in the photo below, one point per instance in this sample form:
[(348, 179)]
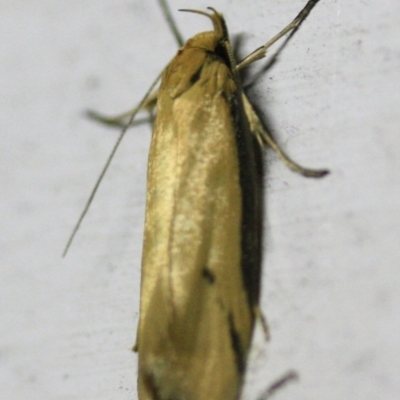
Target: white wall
[(332, 265)]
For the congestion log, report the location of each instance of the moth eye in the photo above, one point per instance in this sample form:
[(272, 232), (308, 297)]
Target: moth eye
[(221, 52)]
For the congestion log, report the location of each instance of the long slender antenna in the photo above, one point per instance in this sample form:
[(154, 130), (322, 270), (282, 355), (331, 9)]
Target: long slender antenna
[(171, 22), (261, 51), (107, 164)]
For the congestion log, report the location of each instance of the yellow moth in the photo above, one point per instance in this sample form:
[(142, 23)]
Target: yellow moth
[(201, 261)]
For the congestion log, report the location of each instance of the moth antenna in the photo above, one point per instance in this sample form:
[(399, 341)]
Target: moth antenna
[(171, 22), (262, 51), (107, 164)]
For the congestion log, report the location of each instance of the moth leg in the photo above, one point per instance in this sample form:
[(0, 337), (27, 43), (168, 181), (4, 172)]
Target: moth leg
[(117, 121), (264, 323), (122, 119), (263, 137), (135, 347), (149, 101), (262, 51), (279, 384), (312, 173)]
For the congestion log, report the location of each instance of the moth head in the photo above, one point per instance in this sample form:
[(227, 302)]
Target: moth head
[(217, 19)]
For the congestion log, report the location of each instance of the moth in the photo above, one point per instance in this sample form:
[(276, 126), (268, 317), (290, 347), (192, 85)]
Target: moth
[(201, 262)]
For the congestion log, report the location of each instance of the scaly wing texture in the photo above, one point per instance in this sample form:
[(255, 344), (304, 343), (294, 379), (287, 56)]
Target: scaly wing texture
[(196, 321)]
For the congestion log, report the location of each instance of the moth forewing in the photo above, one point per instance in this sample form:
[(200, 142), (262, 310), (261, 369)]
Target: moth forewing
[(201, 256)]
